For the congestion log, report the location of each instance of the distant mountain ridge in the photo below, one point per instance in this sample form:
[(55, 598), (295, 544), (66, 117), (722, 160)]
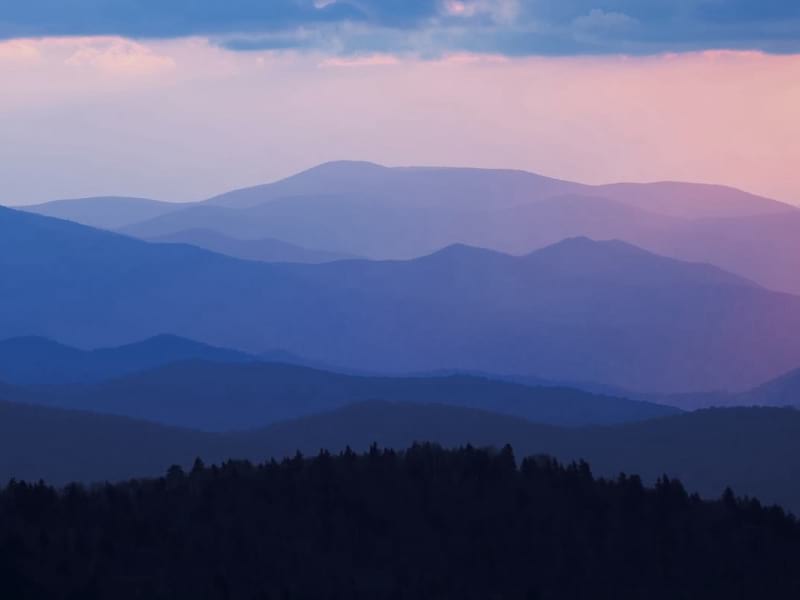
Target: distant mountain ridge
[(238, 395), (781, 391), (470, 188), (358, 227), (363, 209), (692, 200), (477, 187), (400, 213), (579, 311), (105, 212), (39, 361), (265, 249)]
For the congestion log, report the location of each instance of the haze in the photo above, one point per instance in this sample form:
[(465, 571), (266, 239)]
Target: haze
[(185, 118)]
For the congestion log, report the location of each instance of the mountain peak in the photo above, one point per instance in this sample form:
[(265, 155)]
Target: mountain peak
[(176, 348), (617, 261), (465, 253), (346, 164), (166, 338), (582, 242), (586, 248)]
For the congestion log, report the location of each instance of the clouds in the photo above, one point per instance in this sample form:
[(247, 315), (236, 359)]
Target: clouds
[(183, 98), (58, 71), (156, 18), (600, 20), (426, 27)]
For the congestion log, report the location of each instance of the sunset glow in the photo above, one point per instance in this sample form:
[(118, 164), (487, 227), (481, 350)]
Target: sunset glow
[(719, 116)]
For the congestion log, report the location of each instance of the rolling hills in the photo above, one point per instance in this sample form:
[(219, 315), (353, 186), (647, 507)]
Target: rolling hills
[(39, 361), (400, 213), (576, 311), (229, 396), (264, 249), (350, 208), (105, 212), (708, 450)]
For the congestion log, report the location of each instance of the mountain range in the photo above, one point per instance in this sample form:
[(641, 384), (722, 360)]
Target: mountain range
[(351, 208), (459, 188), (40, 361), (223, 396), (105, 212), (265, 249), (490, 307), (578, 310)]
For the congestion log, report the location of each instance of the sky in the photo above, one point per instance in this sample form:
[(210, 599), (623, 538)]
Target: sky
[(182, 100)]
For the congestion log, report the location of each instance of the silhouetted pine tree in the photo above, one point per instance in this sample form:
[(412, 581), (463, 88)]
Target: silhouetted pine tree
[(421, 524)]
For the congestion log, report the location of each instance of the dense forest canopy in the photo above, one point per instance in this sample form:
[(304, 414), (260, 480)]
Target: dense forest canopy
[(424, 523)]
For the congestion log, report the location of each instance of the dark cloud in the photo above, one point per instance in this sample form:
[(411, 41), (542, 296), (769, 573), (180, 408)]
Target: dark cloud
[(516, 27)]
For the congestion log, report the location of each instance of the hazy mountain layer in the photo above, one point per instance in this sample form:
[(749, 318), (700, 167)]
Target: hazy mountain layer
[(106, 212), (221, 397), (575, 311), (377, 212), (265, 249), (32, 360), (460, 188)]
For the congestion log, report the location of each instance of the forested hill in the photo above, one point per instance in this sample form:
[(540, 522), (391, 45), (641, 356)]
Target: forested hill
[(423, 524)]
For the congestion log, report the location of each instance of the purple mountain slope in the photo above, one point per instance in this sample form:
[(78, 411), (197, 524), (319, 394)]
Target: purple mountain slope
[(690, 200), (35, 360), (413, 186), (378, 212), (576, 311), (264, 249), (106, 212), (466, 188), (781, 391)]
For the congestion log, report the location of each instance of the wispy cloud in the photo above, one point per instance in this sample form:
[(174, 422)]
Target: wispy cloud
[(374, 60), (115, 55)]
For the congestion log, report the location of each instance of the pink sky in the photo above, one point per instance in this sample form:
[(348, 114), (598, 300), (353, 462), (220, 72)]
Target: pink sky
[(184, 119)]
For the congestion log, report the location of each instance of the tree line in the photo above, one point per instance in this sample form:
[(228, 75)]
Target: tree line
[(424, 523)]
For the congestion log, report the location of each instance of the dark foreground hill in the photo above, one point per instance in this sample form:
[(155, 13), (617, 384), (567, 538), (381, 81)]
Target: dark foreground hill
[(60, 446), (755, 451), (214, 396), (421, 524)]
